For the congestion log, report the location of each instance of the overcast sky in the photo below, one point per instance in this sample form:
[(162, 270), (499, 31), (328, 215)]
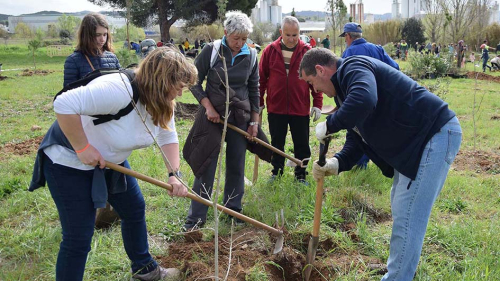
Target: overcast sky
[(17, 7)]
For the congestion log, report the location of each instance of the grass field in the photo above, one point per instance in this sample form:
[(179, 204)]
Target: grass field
[(462, 241)]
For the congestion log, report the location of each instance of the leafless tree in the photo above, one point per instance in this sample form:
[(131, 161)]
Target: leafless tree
[(434, 19)]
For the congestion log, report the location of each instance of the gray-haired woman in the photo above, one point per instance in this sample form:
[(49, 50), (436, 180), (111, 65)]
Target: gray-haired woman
[(203, 143)]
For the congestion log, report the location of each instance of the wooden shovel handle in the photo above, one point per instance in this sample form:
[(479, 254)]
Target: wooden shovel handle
[(192, 196), (264, 144), (319, 189)]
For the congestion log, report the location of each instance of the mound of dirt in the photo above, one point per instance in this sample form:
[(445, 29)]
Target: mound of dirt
[(28, 72), (186, 110), (478, 161), (482, 76), (196, 259), (22, 148)]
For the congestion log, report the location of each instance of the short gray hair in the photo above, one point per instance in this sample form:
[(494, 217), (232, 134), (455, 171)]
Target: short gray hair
[(290, 20), (316, 56), (355, 35), (237, 22)]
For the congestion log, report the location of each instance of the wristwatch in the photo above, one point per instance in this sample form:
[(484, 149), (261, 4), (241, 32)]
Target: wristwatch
[(176, 173), (253, 123)]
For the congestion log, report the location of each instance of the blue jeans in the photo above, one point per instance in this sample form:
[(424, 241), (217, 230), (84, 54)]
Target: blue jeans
[(412, 200), (71, 190)]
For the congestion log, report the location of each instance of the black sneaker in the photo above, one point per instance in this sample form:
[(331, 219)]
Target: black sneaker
[(192, 225)]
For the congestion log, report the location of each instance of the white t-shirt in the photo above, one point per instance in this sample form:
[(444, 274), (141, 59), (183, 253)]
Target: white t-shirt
[(115, 139), (495, 60)]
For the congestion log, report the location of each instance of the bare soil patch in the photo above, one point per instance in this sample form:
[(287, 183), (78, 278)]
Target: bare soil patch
[(28, 72), (3, 78), (22, 148), (482, 76), (196, 258), (478, 161), (186, 110)]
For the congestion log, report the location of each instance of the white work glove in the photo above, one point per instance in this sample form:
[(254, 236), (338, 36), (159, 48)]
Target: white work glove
[(261, 109), (315, 113), (321, 130), (331, 168)]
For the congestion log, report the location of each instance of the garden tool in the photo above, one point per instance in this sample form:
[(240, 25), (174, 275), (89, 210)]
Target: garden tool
[(328, 109), (314, 240), (256, 161), (266, 145), (278, 233)]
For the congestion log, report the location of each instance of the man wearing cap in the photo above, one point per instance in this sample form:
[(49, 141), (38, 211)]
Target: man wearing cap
[(288, 98), (356, 45), (408, 132)]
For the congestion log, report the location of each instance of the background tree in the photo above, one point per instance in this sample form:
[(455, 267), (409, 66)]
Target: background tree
[(481, 18), (337, 12), (135, 33), (69, 23), (413, 31), (35, 43), (23, 31), (166, 13), (462, 12), (383, 32), (434, 19)]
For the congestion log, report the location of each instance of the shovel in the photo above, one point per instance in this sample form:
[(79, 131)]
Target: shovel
[(313, 242), (266, 145), (279, 243)]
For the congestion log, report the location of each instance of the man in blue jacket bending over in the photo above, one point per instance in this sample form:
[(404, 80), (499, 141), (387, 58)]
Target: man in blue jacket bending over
[(408, 132)]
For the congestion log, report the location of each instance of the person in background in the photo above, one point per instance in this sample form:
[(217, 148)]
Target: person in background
[(485, 55), (196, 44), (181, 49), (404, 49), (495, 63), (408, 132), (73, 154), (312, 42), (357, 45), (94, 50), (326, 42), (186, 44), (288, 103), (136, 47), (421, 48), (242, 68)]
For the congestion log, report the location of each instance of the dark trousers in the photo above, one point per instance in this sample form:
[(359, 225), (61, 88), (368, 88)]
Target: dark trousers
[(485, 64), (234, 186), (299, 128), (71, 190)]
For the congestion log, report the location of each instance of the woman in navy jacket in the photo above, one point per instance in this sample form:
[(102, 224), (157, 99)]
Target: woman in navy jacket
[(93, 50)]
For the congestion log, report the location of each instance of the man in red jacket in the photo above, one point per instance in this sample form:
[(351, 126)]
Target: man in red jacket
[(287, 99)]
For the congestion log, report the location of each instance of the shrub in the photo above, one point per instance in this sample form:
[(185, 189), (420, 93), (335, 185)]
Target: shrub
[(422, 65)]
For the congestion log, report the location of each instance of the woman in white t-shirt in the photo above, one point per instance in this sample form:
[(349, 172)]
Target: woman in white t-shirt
[(72, 156)]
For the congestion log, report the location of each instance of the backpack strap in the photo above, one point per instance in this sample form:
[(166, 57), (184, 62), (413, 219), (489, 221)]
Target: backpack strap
[(253, 60), (126, 110), (215, 52)]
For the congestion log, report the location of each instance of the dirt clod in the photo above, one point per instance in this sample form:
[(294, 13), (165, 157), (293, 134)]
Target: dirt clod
[(186, 110), (477, 161), (482, 76), (22, 148)]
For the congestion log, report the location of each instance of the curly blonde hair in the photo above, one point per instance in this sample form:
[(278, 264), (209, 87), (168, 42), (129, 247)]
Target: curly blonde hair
[(159, 77)]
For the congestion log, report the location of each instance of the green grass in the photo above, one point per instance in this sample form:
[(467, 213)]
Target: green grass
[(462, 242)]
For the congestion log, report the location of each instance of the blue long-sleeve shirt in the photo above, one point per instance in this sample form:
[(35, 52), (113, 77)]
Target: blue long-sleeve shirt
[(360, 47), (388, 115)]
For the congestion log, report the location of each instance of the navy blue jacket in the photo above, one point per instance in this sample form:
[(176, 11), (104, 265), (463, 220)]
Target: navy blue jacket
[(361, 47), (76, 65), (395, 117)]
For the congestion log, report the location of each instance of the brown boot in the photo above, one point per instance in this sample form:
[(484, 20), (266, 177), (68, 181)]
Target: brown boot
[(105, 217)]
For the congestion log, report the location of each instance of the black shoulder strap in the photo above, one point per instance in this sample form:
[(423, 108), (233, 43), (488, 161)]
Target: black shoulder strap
[(126, 110)]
